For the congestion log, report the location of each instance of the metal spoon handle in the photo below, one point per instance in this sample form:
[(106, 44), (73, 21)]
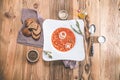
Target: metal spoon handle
[(91, 50)]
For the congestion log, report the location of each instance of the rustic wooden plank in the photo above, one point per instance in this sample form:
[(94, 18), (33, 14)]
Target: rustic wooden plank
[(57, 69), (3, 43), (8, 36), (87, 72), (92, 8), (117, 57), (39, 70), (110, 57), (77, 72)]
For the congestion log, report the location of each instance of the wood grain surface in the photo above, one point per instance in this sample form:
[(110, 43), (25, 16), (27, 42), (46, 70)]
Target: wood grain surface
[(104, 65)]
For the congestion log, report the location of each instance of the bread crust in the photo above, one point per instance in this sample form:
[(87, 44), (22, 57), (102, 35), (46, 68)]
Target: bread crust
[(33, 26), (35, 37), (29, 21), (38, 31), (26, 32)]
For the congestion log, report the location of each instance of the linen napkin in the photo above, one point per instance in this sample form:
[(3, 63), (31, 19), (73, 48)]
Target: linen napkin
[(30, 13), (70, 64)]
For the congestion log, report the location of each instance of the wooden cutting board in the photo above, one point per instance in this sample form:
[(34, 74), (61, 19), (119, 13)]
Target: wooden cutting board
[(104, 65)]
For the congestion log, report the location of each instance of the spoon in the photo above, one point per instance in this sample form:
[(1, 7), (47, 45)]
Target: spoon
[(92, 30)]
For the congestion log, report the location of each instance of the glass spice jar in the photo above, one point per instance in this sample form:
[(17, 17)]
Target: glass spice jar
[(82, 14)]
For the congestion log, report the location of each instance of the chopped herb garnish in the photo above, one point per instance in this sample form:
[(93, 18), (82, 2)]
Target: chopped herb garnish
[(78, 26), (48, 53)]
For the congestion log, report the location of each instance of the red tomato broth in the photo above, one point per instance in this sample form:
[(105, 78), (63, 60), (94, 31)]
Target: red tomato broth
[(63, 39)]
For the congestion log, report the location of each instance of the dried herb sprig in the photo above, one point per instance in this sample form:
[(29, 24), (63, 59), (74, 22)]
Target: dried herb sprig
[(78, 26), (48, 53)]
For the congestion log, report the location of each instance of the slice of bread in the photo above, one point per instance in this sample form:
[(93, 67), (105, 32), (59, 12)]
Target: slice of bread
[(35, 37), (33, 26), (26, 32), (37, 31), (29, 21)]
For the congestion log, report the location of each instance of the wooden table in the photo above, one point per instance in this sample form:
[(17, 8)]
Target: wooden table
[(104, 65)]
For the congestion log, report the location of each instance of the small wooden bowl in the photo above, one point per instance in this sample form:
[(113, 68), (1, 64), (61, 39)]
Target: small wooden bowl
[(63, 14), (32, 56)]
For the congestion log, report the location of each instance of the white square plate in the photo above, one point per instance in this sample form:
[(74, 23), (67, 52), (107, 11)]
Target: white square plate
[(76, 53)]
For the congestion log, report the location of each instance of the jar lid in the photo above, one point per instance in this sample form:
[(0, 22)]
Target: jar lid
[(63, 14), (32, 56), (101, 39)]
